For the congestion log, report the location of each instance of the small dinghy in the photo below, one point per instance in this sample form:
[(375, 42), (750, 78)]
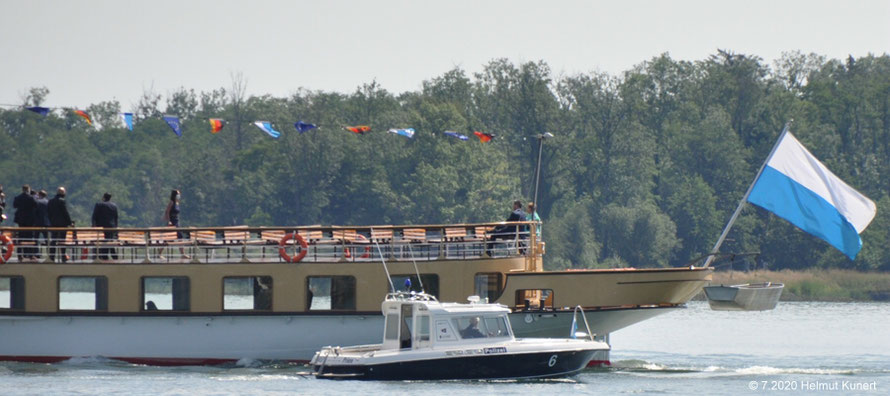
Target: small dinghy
[(747, 297), (427, 340)]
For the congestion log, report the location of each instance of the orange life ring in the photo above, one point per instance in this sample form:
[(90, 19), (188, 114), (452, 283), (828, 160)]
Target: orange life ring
[(84, 253), (10, 247), (282, 248), (366, 254)]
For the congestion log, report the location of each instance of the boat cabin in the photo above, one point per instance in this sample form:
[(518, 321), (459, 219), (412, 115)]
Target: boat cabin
[(418, 320)]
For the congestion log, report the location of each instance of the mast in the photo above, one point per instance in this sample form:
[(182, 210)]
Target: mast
[(744, 199)]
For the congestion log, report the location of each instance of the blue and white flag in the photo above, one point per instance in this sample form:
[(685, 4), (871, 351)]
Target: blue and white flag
[(266, 126), (456, 135), (407, 132), (304, 126), (128, 119), (173, 122), (797, 187)]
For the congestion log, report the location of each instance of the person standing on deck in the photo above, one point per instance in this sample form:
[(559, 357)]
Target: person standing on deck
[(105, 215), (58, 217), (171, 216), (25, 210), (532, 215), (507, 231), (42, 219)]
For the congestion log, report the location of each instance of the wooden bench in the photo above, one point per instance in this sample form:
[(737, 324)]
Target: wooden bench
[(381, 235), (455, 234), (206, 237), (132, 238), (273, 237), (414, 234)]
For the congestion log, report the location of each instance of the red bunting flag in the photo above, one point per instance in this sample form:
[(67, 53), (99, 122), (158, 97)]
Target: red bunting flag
[(84, 115), (484, 137), (360, 129), (217, 124)]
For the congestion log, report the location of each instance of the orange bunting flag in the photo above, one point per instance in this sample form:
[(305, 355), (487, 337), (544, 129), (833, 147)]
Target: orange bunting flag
[(217, 124), (84, 115), (484, 137), (360, 129)]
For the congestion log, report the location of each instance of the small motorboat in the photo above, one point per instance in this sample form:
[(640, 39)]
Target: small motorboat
[(425, 339), (746, 297)]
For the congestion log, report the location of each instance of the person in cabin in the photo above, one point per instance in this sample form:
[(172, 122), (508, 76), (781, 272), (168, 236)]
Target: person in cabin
[(42, 218), (472, 329), (58, 217), (507, 231), (171, 216), (25, 211), (105, 215)]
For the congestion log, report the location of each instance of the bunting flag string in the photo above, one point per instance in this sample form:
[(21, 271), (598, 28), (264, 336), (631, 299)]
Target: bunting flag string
[(266, 126), (406, 132), (216, 125), (304, 126), (173, 122)]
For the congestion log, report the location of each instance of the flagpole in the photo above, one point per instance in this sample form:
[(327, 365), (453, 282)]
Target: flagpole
[(744, 200)]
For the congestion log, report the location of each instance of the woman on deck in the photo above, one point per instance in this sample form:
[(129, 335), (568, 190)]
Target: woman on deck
[(171, 216)]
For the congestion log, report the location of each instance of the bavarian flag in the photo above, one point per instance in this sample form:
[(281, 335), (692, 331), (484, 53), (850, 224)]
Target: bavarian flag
[(217, 124), (359, 129), (84, 115)]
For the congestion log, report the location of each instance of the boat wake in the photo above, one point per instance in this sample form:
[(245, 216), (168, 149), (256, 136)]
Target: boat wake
[(642, 367)]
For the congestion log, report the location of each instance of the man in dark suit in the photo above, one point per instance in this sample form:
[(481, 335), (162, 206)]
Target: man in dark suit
[(105, 215), (58, 217), (25, 211), (507, 231), (41, 219)]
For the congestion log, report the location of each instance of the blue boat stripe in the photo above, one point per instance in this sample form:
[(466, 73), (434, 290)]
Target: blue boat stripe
[(805, 209)]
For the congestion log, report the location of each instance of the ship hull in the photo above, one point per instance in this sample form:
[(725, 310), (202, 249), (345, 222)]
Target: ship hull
[(195, 340)]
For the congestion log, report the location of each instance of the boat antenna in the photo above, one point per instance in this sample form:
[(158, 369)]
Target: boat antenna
[(416, 271), (392, 288)]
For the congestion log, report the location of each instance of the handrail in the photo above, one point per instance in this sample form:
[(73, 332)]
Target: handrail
[(269, 228), (572, 333)]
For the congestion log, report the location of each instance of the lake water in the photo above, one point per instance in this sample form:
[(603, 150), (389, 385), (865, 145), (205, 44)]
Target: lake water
[(825, 348)]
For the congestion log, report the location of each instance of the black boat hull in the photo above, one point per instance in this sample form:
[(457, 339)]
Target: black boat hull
[(532, 365)]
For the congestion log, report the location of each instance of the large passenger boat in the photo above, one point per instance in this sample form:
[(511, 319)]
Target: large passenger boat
[(282, 293)]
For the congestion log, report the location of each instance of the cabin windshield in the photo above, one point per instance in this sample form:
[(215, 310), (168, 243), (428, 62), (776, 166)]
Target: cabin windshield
[(481, 326)]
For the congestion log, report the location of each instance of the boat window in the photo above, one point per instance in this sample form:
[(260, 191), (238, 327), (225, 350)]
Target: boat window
[(475, 327), (165, 293), (488, 285), (430, 283), (86, 293), (424, 327), (444, 332), (392, 327), (330, 293), (247, 293), (534, 299), (12, 292), (497, 327), (407, 326)]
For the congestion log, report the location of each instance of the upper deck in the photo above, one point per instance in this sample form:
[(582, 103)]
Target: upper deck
[(245, 270)]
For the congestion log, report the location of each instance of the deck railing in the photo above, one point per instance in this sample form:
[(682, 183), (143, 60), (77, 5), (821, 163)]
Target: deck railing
[(262, 244)]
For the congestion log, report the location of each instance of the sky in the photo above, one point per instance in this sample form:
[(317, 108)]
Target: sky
[(91, 51)]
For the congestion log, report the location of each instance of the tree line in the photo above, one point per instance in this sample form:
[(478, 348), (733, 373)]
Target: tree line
[(644, 169)]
